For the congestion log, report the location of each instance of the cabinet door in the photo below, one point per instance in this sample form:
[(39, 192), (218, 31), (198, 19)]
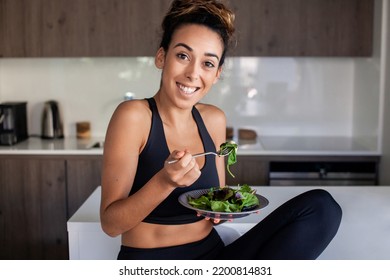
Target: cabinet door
[(73, 28), (32, 209), (251, 170), (83, 177), (304, 28)]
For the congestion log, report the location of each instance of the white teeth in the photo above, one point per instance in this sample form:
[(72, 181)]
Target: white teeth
[(187, 90)]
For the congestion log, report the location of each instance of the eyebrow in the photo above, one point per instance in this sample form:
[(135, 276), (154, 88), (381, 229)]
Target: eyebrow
[(191, 49)]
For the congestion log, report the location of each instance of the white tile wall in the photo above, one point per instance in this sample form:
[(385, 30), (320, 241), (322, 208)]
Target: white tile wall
[(276, 96), (87, 89)]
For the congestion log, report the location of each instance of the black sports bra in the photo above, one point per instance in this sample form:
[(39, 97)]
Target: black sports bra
[(151, 160)]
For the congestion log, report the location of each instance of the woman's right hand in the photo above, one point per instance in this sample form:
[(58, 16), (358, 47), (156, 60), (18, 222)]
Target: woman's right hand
[(182, 173)]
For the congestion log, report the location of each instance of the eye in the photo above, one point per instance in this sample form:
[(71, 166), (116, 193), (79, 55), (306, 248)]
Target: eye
[(182, 56), (209, 64)]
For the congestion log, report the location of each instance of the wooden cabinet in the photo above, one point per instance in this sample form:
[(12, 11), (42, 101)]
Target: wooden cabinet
[(251, 170), (33, 209), (38, 195), (304, 28), (83, 176), (98, 28), (73, 28)]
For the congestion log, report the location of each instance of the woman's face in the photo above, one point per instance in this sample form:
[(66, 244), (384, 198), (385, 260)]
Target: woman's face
[(190, 66)]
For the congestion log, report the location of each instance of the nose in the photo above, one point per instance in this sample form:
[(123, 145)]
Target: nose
[(192, 71)]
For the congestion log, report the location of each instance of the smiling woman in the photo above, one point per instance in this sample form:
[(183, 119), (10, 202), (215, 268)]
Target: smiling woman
[(190, 65), (140, 189), (148, 163)]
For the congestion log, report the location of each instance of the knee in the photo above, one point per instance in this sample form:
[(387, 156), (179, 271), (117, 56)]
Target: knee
[(326, 206)]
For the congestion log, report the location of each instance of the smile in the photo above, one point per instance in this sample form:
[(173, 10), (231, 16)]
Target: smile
[(187, 90)]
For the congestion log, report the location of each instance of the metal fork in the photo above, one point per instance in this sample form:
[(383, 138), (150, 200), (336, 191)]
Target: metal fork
[(221, 153)]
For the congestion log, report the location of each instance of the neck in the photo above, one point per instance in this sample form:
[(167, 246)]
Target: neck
[(172, 115)]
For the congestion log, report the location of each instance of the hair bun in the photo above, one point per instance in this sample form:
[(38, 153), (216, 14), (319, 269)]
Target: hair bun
[(213, 7), (212, 13)]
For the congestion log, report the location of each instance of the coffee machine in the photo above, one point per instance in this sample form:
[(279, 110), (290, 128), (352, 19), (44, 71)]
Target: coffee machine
[(13, 122)]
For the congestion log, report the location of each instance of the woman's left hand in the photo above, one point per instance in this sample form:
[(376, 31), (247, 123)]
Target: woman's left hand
[(214, 220)]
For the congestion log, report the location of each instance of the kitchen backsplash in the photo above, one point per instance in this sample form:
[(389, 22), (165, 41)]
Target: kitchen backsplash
[(275, 96)]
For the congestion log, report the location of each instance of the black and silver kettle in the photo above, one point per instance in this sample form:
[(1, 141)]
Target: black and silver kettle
[(52, 126)]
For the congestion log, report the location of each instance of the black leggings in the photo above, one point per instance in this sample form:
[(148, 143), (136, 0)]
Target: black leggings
[(299, 229)]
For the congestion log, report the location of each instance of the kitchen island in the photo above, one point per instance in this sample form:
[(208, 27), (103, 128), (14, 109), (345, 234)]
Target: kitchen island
[(363, 233)]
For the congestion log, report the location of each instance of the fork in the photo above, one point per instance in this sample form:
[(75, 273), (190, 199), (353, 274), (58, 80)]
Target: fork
[(221, 153)]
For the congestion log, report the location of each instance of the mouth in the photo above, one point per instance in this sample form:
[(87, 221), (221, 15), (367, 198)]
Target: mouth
[(187, 90)]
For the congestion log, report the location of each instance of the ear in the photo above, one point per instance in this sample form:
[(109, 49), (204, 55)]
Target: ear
[(159, 59), (218, 75)]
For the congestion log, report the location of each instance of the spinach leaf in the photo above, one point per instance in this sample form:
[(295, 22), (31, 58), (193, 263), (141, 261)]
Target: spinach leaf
[(232, 157)]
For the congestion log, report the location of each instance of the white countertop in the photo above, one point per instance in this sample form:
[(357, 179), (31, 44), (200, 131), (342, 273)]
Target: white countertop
[(266, 145), (66, 146), (363, 233), (310, 145)]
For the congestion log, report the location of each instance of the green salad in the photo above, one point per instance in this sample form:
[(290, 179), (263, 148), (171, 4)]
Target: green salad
[(232, 157), (226, 199)]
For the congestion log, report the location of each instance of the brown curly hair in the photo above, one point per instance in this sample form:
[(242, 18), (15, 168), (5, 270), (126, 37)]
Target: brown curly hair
[(211, 13)]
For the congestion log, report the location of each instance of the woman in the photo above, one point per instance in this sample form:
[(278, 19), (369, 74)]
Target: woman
[(140, 188)]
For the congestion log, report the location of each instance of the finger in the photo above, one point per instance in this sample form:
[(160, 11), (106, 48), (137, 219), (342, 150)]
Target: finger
[(196, 169), (187, 159), (192, 170), (175, 156), (216, 221), (180, 160)]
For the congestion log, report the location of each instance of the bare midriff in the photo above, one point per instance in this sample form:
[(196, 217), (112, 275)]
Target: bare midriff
[(147, 235)]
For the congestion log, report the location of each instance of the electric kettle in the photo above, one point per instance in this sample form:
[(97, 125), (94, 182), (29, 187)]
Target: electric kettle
[(52, 126)]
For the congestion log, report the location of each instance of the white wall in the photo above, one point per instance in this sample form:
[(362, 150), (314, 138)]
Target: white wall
[(366, 87), (288, 96), (277, 96), (88, 89)]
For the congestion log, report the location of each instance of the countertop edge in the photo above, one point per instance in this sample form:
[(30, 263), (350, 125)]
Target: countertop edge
[(266, 146), (97, 152), (92, 152)]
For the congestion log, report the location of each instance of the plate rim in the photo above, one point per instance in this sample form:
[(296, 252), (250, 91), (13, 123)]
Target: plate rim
[(203, 191)]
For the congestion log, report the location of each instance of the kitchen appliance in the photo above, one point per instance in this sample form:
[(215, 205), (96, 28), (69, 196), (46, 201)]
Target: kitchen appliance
[(52, 125), (323, 173), (13, 122)]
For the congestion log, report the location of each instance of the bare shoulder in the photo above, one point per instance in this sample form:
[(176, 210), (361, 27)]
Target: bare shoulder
[(212, 115), (129, 125), (215, 121), (134, 109)]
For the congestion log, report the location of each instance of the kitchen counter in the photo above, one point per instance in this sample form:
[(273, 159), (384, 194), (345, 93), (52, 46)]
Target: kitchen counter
[(266, 145), (66, 146), (363, 233)]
